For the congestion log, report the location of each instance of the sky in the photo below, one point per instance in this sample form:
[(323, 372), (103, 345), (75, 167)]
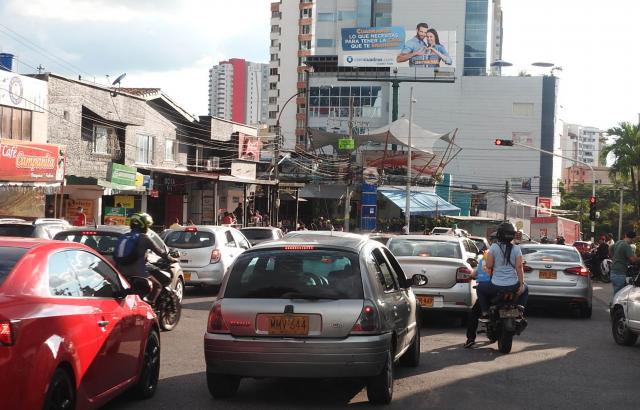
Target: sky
[(172, 44)]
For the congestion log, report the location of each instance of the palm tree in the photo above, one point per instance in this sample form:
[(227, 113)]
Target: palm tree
[(626, 151)]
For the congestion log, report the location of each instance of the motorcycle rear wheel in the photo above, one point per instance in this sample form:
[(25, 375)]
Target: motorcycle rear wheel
[(169, 311), (505, 341)]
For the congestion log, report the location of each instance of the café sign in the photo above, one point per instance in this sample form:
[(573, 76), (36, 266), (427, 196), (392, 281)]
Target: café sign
[(24, 161)]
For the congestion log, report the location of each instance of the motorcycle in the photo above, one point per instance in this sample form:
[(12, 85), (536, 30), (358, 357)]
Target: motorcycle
[(164, 301), (506, 319), (600, 272)]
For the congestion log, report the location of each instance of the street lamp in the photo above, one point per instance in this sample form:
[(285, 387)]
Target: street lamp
[(276, 154), (502, 142)]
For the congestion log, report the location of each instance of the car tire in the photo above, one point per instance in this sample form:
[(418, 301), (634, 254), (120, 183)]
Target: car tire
[(380, 387), (222, 386), (180, 289), (61, 393), (411, 357), (150, 372), (586, 311), (621, 333)]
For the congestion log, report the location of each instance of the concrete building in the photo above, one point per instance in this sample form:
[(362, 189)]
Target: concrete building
[(581, 174), (581, 143), (238, 91), (481, 104)]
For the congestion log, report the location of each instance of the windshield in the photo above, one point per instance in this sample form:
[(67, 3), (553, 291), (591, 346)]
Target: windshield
[(103, 242), (550, 255), (253, 234), (190, 240), (19, 230), (418, 247), (317, 274), (8, 259)]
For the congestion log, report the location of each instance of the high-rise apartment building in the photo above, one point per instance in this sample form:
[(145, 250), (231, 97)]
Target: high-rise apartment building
[(581, 143), (238, 91)]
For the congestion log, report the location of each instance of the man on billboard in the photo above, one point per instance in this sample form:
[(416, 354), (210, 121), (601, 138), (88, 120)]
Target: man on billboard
[(415, 49)]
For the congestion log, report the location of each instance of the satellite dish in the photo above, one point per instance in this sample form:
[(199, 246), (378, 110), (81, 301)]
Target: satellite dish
[(543, 64), (501, 63), (119, 79)]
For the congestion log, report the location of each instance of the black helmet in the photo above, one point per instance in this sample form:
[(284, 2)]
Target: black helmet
[(141, 221), (506, 232)]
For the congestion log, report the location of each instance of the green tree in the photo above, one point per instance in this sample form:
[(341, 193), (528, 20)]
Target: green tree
[(626, 152)]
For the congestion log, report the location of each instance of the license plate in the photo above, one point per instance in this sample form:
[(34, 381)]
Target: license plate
[(288, 325), (505, 313), (187, 276), (425, 301), (548, 274)]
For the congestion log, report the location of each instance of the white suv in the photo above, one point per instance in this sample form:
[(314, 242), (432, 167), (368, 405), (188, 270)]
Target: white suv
[(625, 313), (206, 251)]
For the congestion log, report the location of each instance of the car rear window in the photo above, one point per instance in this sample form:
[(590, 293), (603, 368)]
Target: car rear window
[(104, 243), (8, 259), (310, 274), (19, 230), (550, 255), (190, 239), (417, 247), (440, 231), (257, 233)]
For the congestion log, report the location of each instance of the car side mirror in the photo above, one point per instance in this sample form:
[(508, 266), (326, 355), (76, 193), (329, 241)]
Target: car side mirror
[(140, 286), (473, 262), (419, 280)]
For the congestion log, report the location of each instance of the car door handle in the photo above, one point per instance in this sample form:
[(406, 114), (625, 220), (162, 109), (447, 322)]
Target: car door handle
[(103, 323)]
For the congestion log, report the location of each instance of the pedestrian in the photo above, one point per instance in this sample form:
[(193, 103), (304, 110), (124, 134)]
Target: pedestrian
[(610, 240), (176, 224), (81, 218), (226, 220), (238, 213), (621, 256), (190, 222), (50, 212)]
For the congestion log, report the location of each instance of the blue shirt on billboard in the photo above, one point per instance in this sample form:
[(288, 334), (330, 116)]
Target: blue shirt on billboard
[(411, 46), (504, 271), (433, 60)]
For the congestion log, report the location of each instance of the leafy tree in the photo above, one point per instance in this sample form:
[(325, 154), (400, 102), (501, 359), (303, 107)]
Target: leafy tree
[(626, 151)]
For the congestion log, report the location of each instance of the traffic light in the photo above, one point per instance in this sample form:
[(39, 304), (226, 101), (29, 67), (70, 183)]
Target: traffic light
[(592, 208), (506, 143)]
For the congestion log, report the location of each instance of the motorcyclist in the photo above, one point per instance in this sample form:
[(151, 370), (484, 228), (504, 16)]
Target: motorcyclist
[(140, 223), (504, 264), (600, 253), (480, 275)]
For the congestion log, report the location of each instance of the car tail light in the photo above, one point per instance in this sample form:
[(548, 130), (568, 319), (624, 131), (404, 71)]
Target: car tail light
[(463, 275), (191, 229), (215, 323), (577, 270), (215, 256), (6, 334), (299, 248), (527, 268), (369, 320)]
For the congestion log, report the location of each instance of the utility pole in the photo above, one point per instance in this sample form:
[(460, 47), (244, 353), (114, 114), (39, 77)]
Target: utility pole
[(506, 200)]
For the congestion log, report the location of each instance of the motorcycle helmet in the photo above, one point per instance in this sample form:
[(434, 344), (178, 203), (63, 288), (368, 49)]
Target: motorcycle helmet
[(141, 221), (506, 232)]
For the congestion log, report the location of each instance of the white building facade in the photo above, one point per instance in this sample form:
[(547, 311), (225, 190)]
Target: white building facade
[(581, 143)]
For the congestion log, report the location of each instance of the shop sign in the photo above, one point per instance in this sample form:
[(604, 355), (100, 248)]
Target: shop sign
[(139, 179), (72, 205), (249, 147), (122, 174), (243, 170), (346, 143), (24, 161), (22, 92), (115, 216), (124, 201), (154, 193)]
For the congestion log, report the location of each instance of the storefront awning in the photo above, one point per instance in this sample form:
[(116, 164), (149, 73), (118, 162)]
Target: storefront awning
[(421, 203)]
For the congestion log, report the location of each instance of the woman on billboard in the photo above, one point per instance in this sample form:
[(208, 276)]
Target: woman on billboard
[(436, 52)]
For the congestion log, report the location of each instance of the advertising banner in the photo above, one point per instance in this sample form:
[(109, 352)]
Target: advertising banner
[(544, 204), (125, 201), (249, 147), (22, 92), (71, 211), (24, 161), (416, 47), (115, 216), (122, 174)]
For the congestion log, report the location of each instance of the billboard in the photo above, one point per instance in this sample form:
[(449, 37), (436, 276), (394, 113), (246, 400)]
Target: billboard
[(398, 47), (249, 147), (24, 161)]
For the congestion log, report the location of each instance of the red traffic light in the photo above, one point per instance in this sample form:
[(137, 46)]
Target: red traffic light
[(506, 143), (592, 200)]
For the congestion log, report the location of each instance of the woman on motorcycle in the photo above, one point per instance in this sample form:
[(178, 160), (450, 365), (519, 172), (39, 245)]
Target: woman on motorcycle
[(504, 263)]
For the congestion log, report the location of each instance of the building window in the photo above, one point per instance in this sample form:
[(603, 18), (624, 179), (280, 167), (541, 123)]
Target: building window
[(144, 149), (326, 17), (336, 101), (16, 123), (306, 29), (101, 139), (170, 150), (523, 109), (325, 42), (475, 37), (346, 15)]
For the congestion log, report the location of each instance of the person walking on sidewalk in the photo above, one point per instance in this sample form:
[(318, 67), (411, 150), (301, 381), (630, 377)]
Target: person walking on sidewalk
[(621, 256)]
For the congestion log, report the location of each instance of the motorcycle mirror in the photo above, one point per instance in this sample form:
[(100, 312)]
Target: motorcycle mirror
[(419, 279), (473, 262), (140, 286)]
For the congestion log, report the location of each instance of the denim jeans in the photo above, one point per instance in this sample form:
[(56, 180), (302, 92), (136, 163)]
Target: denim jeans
[(618, 280), (487, 290)]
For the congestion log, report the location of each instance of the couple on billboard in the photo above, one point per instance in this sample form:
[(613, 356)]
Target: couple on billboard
[(424, 50)]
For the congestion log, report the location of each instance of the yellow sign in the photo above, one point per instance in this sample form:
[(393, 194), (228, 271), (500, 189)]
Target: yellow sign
[(124, 201), (139, 179)]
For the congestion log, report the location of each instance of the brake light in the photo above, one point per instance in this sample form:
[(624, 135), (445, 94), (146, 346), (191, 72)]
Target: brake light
[(369, 320), (577, 270), (89, 233), (191, 229), (463, 275), (6, 334), (527, 268), (215, 323), (299, 248), (215, 256)]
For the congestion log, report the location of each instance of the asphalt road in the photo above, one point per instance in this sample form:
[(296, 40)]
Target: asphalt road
[(560, 361)]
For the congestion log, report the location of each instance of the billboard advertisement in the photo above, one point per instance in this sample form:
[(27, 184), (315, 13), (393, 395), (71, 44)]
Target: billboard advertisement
[(249, 147), (415, 47), (28, 162)]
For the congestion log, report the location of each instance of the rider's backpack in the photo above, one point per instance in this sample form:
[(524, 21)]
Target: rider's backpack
[(125, 252)]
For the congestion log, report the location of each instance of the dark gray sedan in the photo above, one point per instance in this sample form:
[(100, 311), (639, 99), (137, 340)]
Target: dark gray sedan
[(316, 305)]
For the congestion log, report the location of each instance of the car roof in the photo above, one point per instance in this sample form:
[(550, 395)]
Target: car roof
[(439, 238), (99, 228), (547, 245), (209, 228), (261, 228), (27, 243), (335, 239)]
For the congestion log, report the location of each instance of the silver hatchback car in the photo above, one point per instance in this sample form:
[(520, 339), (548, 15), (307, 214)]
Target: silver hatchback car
[(317, 305)]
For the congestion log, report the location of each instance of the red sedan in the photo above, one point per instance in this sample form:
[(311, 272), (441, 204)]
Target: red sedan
[(73, 331)]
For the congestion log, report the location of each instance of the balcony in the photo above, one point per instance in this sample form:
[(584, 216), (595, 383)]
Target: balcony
[(305, 37), (304, 53)]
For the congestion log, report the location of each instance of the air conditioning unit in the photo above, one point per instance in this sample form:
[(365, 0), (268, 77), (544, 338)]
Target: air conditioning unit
[(211, 164)]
